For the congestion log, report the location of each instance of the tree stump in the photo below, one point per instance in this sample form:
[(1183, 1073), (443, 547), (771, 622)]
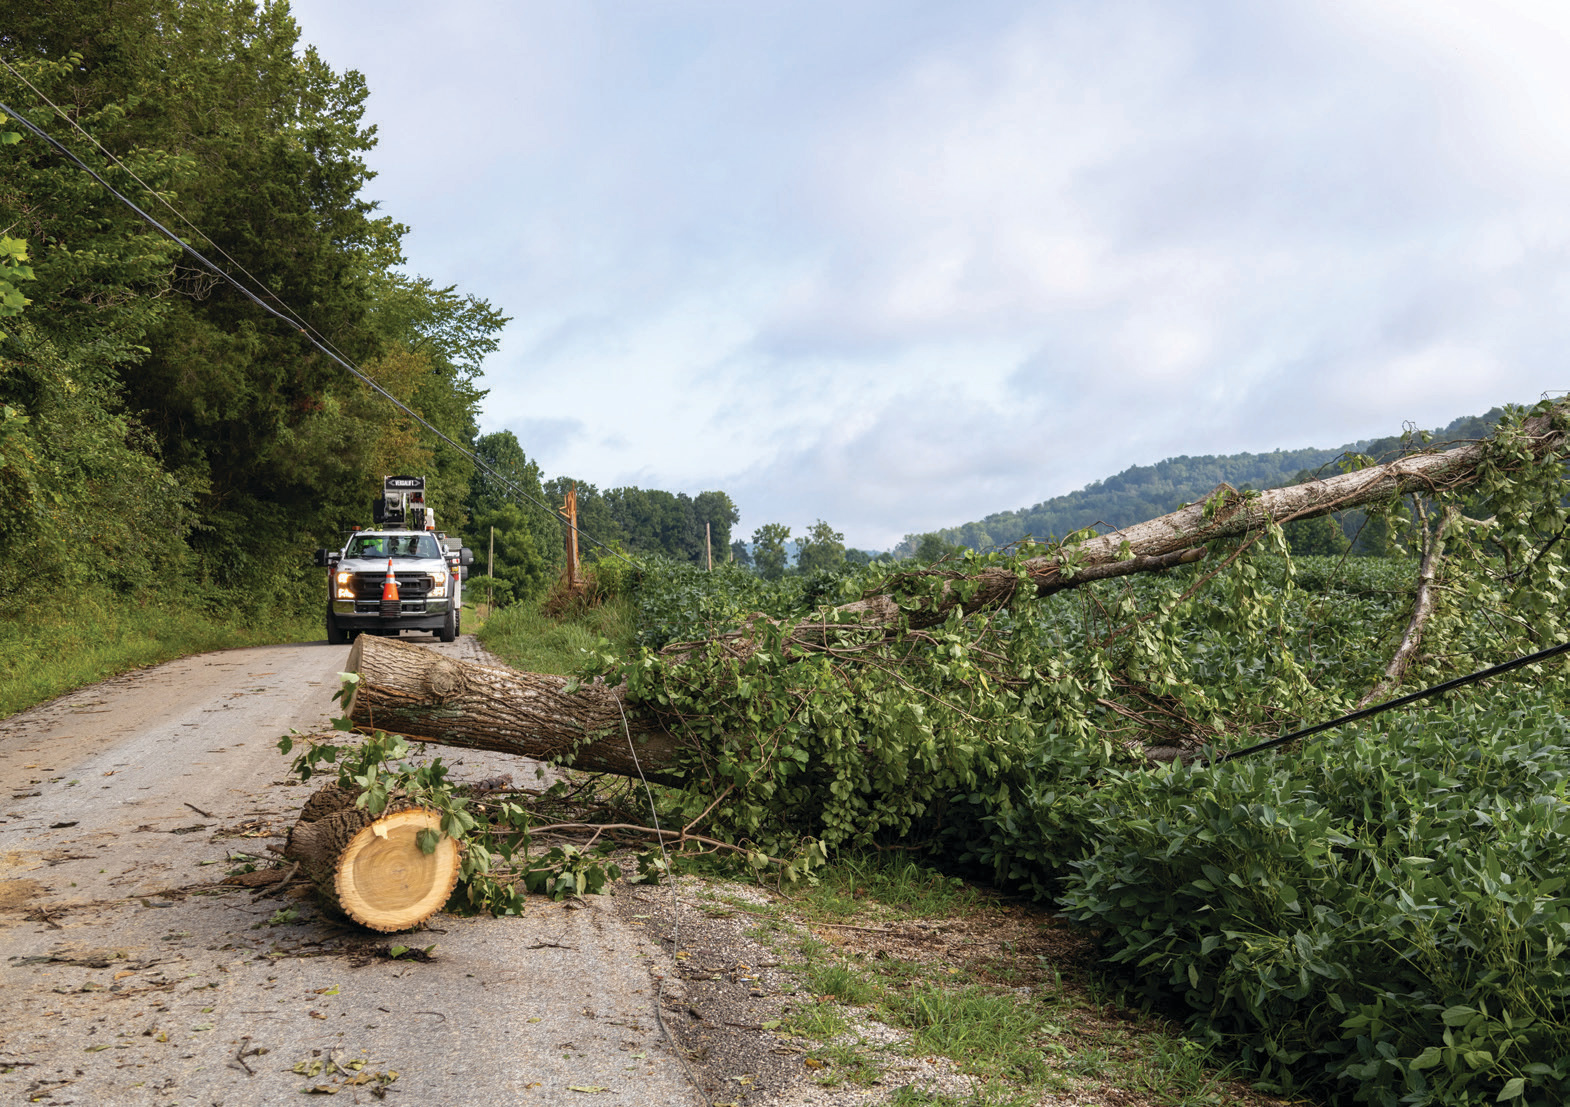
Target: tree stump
[(372, 869)]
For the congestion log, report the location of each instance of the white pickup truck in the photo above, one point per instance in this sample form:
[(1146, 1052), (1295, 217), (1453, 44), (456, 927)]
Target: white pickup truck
[(427, 567)]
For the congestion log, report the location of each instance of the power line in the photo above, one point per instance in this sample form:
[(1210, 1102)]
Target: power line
[(153, 192), (1402, 701), (299, 326)]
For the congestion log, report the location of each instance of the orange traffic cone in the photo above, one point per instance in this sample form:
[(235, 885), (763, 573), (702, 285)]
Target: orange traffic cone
[(391, 607)]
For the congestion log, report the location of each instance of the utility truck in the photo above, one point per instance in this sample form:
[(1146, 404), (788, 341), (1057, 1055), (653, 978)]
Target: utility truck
[(399, 574)]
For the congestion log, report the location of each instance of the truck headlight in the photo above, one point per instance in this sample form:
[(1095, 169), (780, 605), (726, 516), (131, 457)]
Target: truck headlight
[(438, 585), (345, 586)]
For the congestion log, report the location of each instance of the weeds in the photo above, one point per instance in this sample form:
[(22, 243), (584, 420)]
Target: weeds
[(840, 982), (49, 649), (526, 638), (977, 988), (988, 1033), (893, 881), (818, 1021)]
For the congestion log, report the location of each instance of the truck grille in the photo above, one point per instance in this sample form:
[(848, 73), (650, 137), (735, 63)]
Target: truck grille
[(411, 586)]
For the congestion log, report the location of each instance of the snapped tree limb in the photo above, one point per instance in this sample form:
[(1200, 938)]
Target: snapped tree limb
[(1422, 607), (1178, 538)]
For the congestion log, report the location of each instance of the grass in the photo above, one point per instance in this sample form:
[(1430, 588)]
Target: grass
[(1009, 994), (915, 1097), (46, 651), (526, 638), (842, 983), (990, 1033), (896, 882), (821, 1022)]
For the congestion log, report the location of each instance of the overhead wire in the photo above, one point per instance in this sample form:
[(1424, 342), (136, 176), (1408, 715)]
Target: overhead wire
[(294, 316), (1400, 701), (299, 325)]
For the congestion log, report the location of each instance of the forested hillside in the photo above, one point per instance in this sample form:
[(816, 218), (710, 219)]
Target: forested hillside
[(161, 431), (1146, 491), (165, 441)]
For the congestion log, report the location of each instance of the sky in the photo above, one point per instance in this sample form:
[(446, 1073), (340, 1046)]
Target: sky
[(898, 265)]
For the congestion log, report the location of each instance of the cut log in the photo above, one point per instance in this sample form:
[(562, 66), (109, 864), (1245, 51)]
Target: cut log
[(372, 869), (417, 692)]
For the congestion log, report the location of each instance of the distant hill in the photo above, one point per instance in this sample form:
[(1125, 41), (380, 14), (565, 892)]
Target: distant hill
[(1145, 491)]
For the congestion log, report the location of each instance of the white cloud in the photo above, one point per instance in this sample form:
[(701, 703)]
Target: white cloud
[(900, 266)]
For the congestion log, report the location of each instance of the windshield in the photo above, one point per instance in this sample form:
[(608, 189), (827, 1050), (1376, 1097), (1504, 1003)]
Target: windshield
[(394, 545)]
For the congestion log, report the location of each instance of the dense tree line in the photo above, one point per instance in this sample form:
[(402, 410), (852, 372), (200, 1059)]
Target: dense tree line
[(157, 429), (525, 514), (160, 429)]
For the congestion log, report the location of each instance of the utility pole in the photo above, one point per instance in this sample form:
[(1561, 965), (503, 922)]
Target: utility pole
[(708, 545), (490, 571), (570, 510)]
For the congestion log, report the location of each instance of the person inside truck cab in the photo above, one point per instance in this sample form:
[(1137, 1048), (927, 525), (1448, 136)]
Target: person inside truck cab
[(367, 546), (413, 545)]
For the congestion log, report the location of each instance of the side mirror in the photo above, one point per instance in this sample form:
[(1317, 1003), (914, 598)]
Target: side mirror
[(465, 556), (463, 572), (322, 558)]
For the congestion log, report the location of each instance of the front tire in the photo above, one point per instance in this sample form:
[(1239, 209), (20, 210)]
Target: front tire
[(449, 629), (335, 634)]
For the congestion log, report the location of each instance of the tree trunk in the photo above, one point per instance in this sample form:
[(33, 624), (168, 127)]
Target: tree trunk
[(373, 870), (416, 692)]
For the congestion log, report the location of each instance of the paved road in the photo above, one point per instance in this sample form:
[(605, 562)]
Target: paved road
[(127, 980)]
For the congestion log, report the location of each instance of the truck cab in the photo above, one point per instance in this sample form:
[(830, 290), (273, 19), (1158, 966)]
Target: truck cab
[(400, 574)]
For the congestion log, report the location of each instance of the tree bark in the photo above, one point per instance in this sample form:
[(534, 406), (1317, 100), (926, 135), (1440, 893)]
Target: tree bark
[(1422, 607), (416, 692), (372, 869)]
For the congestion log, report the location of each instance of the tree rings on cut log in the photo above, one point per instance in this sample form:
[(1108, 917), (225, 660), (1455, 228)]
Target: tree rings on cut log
[(386, 882), (373, 870)]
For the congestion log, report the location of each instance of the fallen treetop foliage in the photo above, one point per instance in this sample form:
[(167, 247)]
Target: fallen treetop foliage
[(1380, 919)]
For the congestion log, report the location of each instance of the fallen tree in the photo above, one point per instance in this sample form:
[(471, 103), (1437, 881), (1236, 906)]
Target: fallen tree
[(410, 690), (595, 725), (1179, 537), (946, 708), (1000, 740)]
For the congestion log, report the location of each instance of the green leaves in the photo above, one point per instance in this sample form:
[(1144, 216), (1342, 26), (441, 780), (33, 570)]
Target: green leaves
[(1346, 907), (568, 871), (13, 255)]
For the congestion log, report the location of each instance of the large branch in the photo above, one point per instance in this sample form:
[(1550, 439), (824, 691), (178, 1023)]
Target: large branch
[(1179, 537), (1422, 607)]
